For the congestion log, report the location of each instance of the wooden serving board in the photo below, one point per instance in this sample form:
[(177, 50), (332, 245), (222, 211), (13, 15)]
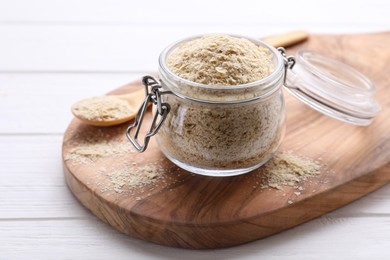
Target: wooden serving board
[(192, 211)]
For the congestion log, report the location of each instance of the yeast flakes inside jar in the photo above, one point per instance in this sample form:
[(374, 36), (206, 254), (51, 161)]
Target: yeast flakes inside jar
[(221, 60), (219, 123)]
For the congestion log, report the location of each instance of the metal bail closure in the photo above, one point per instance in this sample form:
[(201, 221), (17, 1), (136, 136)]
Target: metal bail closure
[(331, 87), (289, 62), (161, 112)]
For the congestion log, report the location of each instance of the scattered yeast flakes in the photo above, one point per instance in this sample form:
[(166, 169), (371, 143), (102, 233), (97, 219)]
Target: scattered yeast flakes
[(93, 144), (97, 144), (134, 177), (288, 169)]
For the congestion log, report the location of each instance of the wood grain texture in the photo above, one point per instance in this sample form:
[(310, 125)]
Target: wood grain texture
[(203, 212), (89, 238)]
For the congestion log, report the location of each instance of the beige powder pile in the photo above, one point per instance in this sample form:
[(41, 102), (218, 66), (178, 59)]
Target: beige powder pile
[(221, 60), (287, 169), (89, 153), (102, 108), (134, 177), (93, 145)]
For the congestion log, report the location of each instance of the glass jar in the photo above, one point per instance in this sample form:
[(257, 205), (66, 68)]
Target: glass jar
[(222, 130), (229, 130)]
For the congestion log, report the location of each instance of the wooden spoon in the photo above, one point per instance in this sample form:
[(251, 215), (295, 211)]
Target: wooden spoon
[(109, 110), (90, 115), (286, 39)]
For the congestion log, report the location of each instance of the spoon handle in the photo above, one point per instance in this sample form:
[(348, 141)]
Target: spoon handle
[(286, 39)]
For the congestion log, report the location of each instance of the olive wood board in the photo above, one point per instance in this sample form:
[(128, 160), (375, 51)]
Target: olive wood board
[(193, 211)]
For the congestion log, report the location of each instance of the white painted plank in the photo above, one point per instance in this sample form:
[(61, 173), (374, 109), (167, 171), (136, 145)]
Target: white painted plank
[(284, 12), (114, 48), (323, 238), (95, 48), (40, 103), (32, 184)]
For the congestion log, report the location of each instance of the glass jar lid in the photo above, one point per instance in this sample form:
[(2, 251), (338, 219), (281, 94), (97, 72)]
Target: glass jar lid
[(332, 88)]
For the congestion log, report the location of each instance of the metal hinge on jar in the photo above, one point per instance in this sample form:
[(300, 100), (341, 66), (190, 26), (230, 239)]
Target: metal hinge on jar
[(162, 110), (289, 62)]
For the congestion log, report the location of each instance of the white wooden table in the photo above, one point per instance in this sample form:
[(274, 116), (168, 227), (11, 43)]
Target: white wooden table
[(53, 53)]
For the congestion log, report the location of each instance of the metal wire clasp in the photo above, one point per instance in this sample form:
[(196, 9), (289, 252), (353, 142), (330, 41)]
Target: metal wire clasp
[(289, 62), (162, 110)]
